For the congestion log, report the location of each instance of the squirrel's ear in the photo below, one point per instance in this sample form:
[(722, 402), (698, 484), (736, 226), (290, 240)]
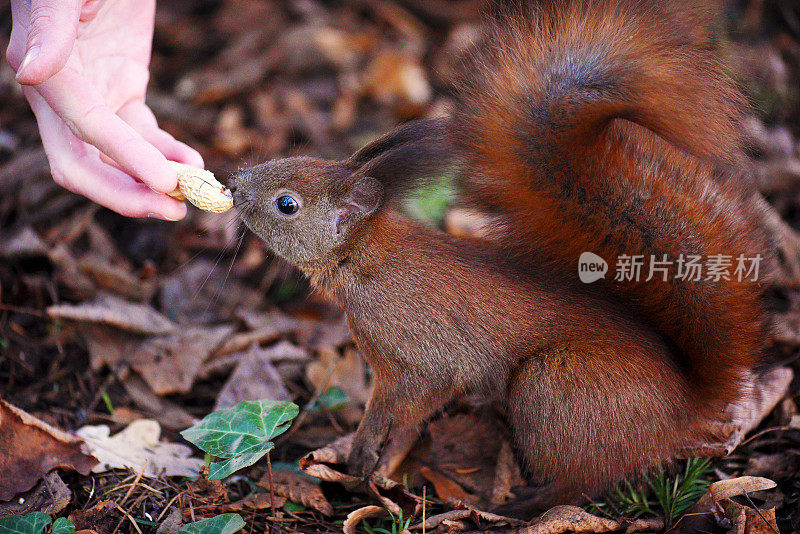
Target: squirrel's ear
[(358, 204)]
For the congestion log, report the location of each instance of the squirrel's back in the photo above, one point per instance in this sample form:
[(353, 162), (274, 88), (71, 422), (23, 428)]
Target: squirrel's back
[(610, 127)]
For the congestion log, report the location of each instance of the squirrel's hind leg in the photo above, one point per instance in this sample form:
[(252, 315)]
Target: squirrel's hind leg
[(585, 419)]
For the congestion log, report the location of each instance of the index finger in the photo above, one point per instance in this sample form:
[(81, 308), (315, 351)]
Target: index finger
[(81, 106)]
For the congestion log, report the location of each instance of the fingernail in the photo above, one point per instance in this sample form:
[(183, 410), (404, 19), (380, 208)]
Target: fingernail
[(33, 53), (161, 217)]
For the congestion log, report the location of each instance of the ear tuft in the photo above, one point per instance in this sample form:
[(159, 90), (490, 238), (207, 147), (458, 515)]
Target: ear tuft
[(358, 204)]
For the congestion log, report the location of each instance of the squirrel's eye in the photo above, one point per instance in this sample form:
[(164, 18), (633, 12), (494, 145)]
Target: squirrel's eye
[(287, 205)]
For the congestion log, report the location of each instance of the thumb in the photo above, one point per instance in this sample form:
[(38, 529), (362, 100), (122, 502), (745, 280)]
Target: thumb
[(52, 29)]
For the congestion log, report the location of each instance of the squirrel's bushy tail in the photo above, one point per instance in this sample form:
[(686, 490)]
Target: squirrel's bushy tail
[(606, 127)]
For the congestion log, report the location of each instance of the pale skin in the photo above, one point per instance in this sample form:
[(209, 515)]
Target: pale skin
[(83, 67)]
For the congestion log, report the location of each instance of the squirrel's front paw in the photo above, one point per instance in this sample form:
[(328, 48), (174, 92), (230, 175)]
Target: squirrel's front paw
[(362, 462)]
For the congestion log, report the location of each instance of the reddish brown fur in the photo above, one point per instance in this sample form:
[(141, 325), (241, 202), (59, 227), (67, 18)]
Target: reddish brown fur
[(608, 124), (604, 130)]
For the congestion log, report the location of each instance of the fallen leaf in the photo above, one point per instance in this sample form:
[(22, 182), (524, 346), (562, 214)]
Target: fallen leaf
[(112, 277), (569, 519), (50, 496), (711, 506), (355, 517), (747, 520), (297, 488), (200, 293), (136, 445), (762, 394), (170, 364), (114, 311), (445, 487), (102, 517), (170, 414), (256, 501), (468, 457), (475, 515), (30, 448), (320, 464), (255, 377), (727, 489), (22, 243), (172, 522), (783, 465)]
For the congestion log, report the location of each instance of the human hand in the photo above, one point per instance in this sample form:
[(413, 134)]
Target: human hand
[(83, 65)]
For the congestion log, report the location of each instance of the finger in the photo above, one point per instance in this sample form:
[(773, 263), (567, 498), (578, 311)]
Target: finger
[(76, 166), (84, 110), (141, 118), (52, 28)]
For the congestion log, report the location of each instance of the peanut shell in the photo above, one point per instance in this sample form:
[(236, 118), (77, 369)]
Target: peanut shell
[(201, 188)]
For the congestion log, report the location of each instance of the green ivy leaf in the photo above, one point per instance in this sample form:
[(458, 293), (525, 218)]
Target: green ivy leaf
[(220, 470), (221, 524), (33, 523), (241, 435), (63, 525)]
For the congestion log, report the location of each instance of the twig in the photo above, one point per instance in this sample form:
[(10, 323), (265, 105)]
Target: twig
[(135, 483), (131, 519), (164, 511), (128, 494), (764, 519), (424, 496), (271, 488)]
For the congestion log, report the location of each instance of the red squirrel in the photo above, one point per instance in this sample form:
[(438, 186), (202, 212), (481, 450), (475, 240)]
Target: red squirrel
[(609, 127)]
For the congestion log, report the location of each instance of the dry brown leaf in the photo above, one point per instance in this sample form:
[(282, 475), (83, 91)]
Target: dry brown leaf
[(256, 501), (243, 340), (727, 489), (297, 488), (763, 394), (319, 464), (111, 277), (114, 311), (30, 448), (445, 488), (746, 520), (471, 451), (137, 445), (102, 517), (650, 524), (170, 414), (67, 273), (711, 506), (780, 465), (355, 517), (170, 364), (569, 519), (255, 376), (475, 515), (200, 292), (22, 243), (50, 496)]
